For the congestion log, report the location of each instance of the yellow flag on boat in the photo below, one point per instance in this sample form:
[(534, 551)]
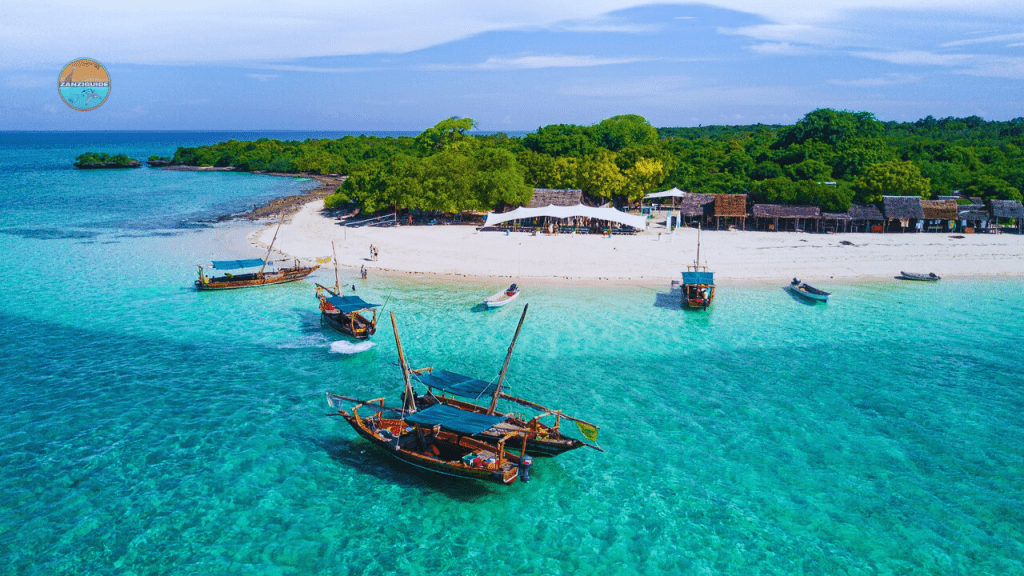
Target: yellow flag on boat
[(323, 260), (589, 431)]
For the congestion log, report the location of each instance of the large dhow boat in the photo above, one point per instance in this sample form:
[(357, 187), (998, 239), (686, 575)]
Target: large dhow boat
[(345, 314), (439, 438), (698, 284), (542, 439), (262, 277)]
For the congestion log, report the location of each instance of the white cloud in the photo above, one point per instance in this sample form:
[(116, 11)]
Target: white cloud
[(785, 33), (985, 40), (887, 80), (782, 49), (35, 34), (263, 77), (537, 62), (969, 64)]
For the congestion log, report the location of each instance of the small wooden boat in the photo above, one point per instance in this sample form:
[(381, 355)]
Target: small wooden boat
[(929, 277), (439, 438), (503, 297), (807, 291), (345, 313), (698, 284), (436, 439), (541, 439), (261, 277)]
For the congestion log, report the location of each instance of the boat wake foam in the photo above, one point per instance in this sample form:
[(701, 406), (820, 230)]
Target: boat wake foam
[(346, 347)]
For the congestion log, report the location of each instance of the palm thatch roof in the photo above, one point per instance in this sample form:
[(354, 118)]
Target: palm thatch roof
[(780, 211), (973, 215), (902, 207), (550, 197), (868, 212), (731, 205), (836, 216), (940, 209), (1006, 209), (696, 204)]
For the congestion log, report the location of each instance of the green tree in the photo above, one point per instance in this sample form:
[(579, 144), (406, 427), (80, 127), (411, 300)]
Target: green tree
[(894, 178), (445, 135), (623, 131)]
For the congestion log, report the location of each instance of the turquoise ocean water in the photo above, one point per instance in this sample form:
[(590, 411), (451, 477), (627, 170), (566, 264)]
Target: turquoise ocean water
[(149, 429)]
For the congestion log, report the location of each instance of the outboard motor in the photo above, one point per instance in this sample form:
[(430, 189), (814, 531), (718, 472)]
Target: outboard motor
[(524, 468)]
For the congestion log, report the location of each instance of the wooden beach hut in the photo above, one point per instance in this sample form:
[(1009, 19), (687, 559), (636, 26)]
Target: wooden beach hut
[(786, 218), (902, 212), (835, 222), (696, 207), (939, 215), (866, 218), (730, 206), (1007, 212)]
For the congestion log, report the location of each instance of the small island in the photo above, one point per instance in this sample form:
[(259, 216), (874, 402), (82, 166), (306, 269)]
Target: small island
[(159, 161), (92, 160)]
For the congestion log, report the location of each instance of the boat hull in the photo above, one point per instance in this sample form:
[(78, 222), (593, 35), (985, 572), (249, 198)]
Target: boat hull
[(499, 300), (918, 277), (542, 440), (694, 297), (808, 295), (254, 280), (505, 474), (358, 327)]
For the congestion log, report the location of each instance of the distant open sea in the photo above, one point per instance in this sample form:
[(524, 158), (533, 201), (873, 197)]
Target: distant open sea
[(147, 429)]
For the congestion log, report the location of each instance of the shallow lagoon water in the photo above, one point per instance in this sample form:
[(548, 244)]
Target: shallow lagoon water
[(150, 429)]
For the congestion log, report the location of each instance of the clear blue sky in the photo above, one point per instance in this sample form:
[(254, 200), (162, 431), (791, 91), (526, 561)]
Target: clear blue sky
[(398, 65)]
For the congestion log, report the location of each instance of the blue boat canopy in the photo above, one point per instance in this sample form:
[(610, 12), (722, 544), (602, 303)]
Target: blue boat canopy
[(236, 264), (453, 419), (350, 304), (699, 278), (452, 383)]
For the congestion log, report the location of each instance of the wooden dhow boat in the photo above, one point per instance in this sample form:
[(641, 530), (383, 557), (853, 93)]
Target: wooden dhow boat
[(345, 314), (929, 277), (542, 439), (503, 297), (807, 291), (698, 284), (262, 277), (439, 438)]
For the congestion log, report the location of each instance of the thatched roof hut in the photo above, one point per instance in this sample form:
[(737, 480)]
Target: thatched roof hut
[(731, 205), (867, 212), (780, 211), (1006, 209), (902, 207), (697, 205), (551, 197), (939, 209)]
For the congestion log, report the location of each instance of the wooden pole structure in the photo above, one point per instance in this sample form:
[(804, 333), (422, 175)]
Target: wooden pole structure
[(504, 368), (271, 247), (337, 279), (409, 405)]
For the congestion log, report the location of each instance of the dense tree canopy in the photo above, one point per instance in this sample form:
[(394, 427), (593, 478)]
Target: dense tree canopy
[(829, 158)]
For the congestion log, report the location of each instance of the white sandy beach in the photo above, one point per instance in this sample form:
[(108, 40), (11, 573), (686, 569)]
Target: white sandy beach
[(652, 258)]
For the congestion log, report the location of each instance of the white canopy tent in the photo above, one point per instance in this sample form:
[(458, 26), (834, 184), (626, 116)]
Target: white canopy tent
[(673, 193), (562, 212)]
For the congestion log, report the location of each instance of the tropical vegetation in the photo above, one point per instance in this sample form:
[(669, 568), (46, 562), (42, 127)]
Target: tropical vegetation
[(829, 158)]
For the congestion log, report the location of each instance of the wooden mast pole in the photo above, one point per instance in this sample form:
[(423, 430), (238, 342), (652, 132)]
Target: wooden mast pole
[(337, 280), (504, 368), (409, 404), (274, 239)]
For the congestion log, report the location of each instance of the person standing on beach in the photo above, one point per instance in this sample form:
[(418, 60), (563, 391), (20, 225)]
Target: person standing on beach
[(374, 253), (362, 272), (371, 251)]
